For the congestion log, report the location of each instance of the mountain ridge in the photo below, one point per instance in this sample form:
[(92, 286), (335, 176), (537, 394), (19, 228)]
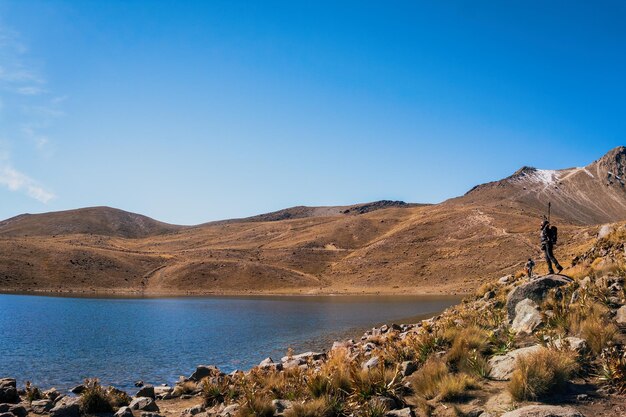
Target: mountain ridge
[(387, 247)]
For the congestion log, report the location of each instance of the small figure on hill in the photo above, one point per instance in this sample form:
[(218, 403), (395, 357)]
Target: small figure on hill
[(529, 267), (548, 240)]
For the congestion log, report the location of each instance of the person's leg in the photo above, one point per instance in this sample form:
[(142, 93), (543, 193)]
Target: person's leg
[(550, 251), (546, 252), (553, 258)]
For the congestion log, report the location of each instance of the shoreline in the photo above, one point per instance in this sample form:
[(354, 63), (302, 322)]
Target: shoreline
[(131, 294)]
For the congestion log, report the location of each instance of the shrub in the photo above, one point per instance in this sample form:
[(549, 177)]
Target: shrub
[(187, 387), (466, 351), (377, 381), (374, 410), (613, 368), (32, 392), (434, 380), (541, 373), (314, 408), (94, 398), (598, 333), (256, 406), (319, 386), (213, 393), (117, 398)]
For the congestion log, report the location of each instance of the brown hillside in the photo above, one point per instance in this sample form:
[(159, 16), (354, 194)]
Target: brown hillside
[(105, 221), (588, 195), (398, 248)]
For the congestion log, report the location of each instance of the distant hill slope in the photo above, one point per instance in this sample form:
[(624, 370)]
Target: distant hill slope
[(366, 248), (303, 212), (588, 195), (105, 221)]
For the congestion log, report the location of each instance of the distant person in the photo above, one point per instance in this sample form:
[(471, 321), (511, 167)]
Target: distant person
[(548, 240), (529, 267)]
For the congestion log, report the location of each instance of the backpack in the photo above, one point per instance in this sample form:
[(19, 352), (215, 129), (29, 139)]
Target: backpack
[(553, 232)]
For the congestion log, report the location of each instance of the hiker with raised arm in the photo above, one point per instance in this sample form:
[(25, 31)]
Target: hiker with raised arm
[(548, 240)]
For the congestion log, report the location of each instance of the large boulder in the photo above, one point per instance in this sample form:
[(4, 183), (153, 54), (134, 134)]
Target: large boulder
[(41, 406), (143, 404), (544, 411), (17, 410), (8, 391), (66, 407), (535, 290), (146, 391), (502, 366), (203, 371), (527, 317)]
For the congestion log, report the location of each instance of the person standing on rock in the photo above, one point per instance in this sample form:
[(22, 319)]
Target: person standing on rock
[(529, 267), (548, 239)]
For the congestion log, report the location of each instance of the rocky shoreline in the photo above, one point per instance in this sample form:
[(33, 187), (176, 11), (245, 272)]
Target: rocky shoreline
[(548, 346)]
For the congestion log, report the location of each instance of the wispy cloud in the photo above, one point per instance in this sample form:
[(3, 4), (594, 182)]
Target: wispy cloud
[(30, 109), (18, 181)]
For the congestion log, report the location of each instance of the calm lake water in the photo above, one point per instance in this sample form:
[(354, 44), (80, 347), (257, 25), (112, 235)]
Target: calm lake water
[(57, 341)]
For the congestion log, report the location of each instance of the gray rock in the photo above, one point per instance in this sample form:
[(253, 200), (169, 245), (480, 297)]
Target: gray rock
[(293, 363), (203, 371), (477, 412), (66, 407), (143, 404), (281, 405), (575, 344), (408, 368), (305, 356), (52, 394), (41, 406), (150, 414), (343, 345), (146, 391), (268, 363), (536, 290), (163, 393), (544, 411), (502, 366), (371, 363), (585, 282), (386, 402), (192, 411), (15, 409), (405, 412), (8, 391), (230, 411), (505, 279), (527, 317), (124, 412), (78, 389), (620, 317)]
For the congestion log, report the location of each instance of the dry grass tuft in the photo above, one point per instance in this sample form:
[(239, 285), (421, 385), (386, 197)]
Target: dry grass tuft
[(94, 398), (542, 373), (434, 381)]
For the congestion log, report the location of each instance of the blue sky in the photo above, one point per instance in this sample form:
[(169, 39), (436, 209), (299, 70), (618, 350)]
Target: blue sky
[(190, 111)]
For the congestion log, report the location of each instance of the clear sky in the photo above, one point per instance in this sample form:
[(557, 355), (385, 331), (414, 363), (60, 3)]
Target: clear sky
[(190, 111)]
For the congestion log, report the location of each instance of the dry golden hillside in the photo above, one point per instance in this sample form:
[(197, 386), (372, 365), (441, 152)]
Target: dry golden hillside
[(377, 247)]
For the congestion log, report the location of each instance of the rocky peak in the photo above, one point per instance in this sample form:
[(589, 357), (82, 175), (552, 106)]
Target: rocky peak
[(613, 165)]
